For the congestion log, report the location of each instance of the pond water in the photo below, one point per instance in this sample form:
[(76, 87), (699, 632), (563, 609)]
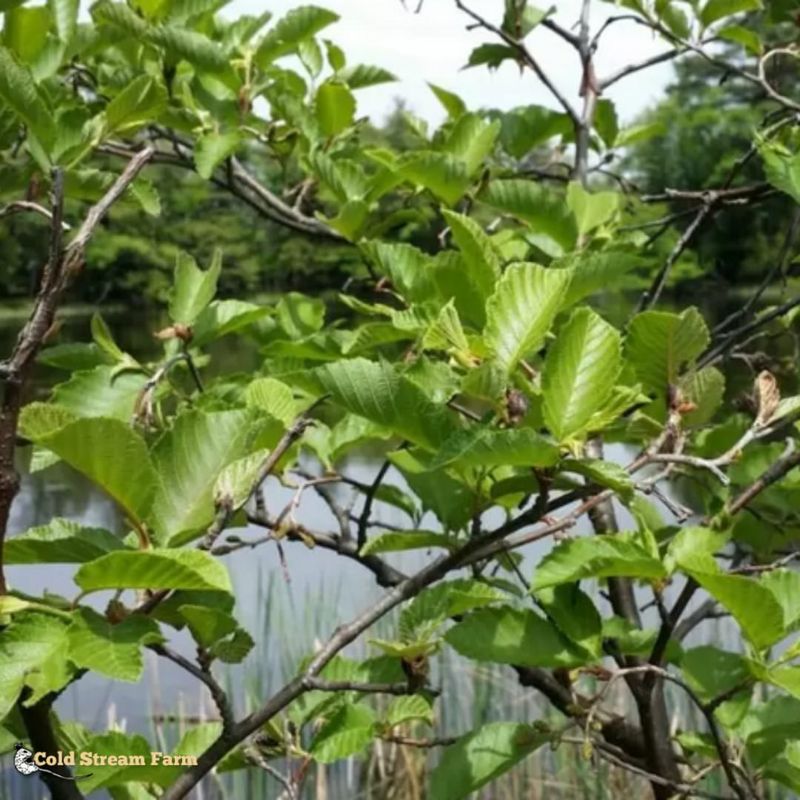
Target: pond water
[(288, 603)]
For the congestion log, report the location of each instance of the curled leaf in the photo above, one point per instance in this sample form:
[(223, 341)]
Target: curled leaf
[(768, 396)]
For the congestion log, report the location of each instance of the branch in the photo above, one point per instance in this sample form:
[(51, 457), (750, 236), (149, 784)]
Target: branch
[(61, 267), (385, 575), (442, 741), (253, 754), (526, 57), (353, 686), (241, 184), (718, 351), (363, 520), (630, 69), (778, 268), (226, 510), (204, 675), (651, 296), (285, 214), (38, 724), (682, 789), (20, 206)]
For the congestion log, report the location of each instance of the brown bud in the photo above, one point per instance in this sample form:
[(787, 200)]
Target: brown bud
[(176, 331), (416, 670), (116, 611), (516, 406)]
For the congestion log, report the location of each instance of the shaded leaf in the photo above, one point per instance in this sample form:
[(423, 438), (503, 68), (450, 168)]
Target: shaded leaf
[(480, 756)]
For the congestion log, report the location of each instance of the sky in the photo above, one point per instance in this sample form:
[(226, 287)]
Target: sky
[(434, 45)]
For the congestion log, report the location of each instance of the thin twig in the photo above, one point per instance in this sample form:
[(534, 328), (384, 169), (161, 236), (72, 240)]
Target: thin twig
[(218, 694)]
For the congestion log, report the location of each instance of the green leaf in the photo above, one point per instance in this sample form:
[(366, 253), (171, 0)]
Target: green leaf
[(693, 544), (604, 473), (580, 372), (660, 345), (336, 56), (73, 356), (359, 76), (521, 18), (346, 733), (446, 333), (717, 9), (442, 173), (452, 103), (300, 315), (336, 108), (706, 389), (674, 19), (521, 310), (28, 643), (38, 420), (154, 569), (606, 122), (396, 541), (222, 317), (113, 650), (431, 607), (25, 32), (480, 256), (749, 39), (378, 393), (491, 54), (451, 500), (109, 453), (300, 23), (101, 392), (410, 270), (188, 460), (480, 446), (575, 616), (234, 648), (194, 47), (212, 149), (541, 208), (712, 672), (597, 272), (782, 169), (752, 605), (526, 127), (591, 209), (194, 288), (237, 481), (471, 140), (481, 756), (60, 541), (273, 397), (409, 708), (121, 16), (785, 587), (136, 105), (19, 92), (208, 625), (104, 339), (512, 636), (620, 555)]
